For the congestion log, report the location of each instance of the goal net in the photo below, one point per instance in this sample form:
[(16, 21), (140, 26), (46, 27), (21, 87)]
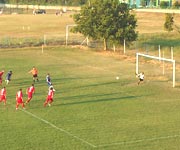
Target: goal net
[(53, 39), (161, 61), (73, 38), (62, 39)]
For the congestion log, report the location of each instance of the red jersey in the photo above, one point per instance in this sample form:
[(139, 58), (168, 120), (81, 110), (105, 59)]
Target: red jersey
[(1, 73), (3, 92), (19, 97), (31, 90), (19, 94), (50, 94)]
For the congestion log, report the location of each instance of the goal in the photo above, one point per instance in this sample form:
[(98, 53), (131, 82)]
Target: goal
[(157, 58), (73, 38)]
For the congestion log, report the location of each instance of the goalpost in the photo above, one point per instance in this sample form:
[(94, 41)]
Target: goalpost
[(158, 58), (67, 31), (79, 38)]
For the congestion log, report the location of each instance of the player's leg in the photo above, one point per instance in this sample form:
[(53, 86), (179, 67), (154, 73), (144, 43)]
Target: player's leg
[(29, 98), (23, 106), (0, 81), (17, 105), (142, 81), (139, 81), (46, 102), (36, 77), (51, 100), (7, 81), (4, 101), (1, 98)]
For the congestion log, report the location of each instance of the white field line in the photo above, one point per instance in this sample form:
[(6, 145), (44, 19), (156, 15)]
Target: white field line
[(140, 140), (60, 129), (102, 145)]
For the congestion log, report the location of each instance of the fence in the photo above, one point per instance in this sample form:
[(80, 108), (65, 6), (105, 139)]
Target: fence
[(25, 9), (78, 39), (46, 39)]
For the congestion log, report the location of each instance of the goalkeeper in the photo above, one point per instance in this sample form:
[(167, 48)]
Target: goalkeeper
[(141, 77)]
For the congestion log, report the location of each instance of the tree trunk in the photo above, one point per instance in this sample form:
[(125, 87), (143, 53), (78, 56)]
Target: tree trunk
[(105, 44)]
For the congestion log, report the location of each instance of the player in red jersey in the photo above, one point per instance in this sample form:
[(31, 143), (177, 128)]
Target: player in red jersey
[(19, 99), (30, 91), (1, 74), (3, 95), (49, 98)]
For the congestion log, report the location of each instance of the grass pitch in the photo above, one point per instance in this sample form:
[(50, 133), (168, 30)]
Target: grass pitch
[(91, 109)]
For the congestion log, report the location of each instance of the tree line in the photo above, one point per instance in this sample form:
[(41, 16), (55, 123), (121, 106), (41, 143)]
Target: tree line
[(46, 2)]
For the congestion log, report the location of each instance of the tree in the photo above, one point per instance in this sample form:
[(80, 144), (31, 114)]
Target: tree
[(108, 20), (168, 25)]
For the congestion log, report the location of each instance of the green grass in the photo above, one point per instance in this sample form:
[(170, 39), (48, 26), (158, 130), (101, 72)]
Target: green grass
[(91, 109)]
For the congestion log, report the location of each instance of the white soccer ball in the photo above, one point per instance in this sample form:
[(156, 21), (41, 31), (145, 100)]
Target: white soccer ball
[(117, 78)]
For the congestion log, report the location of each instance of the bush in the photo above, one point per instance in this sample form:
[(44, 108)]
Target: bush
[(164, 4), (176, 5)]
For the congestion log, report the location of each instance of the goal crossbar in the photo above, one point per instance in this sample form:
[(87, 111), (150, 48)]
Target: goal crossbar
[(158, 58)]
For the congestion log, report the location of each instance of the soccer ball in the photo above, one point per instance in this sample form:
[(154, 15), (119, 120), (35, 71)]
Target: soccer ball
[(117, 78)]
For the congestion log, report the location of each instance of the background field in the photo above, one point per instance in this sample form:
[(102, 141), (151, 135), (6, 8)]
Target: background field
[(91, 109), (30, 30)]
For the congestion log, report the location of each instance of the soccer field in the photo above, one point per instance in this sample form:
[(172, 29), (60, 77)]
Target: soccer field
[(91, 108)]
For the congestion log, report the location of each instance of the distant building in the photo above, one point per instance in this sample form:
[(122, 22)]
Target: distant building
[(147, 3)]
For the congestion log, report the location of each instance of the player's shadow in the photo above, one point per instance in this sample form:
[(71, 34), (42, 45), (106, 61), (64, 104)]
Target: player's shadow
[(67, 79), (99, 84), (130, 97), (77, 97), (89, 85)]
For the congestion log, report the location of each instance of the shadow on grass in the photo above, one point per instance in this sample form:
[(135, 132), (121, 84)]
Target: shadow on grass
[(100, 100), (87, 96), (88, 85), (68, 79), (99, 84)]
